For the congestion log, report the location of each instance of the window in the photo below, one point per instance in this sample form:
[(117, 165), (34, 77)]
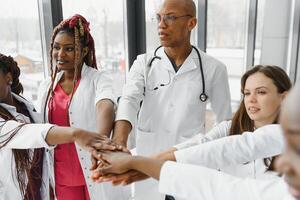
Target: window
[(259, 31), (20, 37), (226, 32), (106, 24)]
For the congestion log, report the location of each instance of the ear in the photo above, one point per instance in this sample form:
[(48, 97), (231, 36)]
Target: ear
[(192, 23), (9, 78), (283, 95), (85, 51)]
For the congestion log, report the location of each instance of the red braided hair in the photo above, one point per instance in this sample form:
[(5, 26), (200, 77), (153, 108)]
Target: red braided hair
[(77, 26)]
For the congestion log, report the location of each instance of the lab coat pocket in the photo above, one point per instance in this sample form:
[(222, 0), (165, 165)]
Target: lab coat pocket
[(145, 142)]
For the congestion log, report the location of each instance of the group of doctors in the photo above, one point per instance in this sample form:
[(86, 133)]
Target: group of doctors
[(163, 102)]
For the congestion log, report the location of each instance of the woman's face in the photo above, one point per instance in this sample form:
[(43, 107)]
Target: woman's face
[(289, 162), (4, 86), (63, 53), (262, 100)]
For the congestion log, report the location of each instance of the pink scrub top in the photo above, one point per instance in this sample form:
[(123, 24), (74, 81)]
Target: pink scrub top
[(67, 168)]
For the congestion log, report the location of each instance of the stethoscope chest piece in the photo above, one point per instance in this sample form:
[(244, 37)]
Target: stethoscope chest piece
[(203, 97)]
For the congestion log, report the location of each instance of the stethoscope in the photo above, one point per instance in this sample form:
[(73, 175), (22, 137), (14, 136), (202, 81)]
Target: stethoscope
[(203, 97)]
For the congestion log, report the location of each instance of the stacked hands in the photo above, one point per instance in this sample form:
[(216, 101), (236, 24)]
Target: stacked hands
[(114, 166), (110, 161)]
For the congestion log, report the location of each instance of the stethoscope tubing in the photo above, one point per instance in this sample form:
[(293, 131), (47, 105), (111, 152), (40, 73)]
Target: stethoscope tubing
[(203, 96)]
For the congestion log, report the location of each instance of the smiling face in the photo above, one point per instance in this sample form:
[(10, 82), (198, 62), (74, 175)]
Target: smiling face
[(262, 99), (177, 21), (289, 162), (63, 53)]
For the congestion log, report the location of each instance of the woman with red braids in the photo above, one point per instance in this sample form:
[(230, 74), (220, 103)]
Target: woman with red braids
[(77, 95), (24, 143)]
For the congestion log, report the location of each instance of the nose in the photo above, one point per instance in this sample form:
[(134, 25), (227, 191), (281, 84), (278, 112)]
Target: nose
[(252, 97), (61, 53), (161, 23)]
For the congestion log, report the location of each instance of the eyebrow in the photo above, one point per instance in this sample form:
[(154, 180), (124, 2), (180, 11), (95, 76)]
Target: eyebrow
[(169, 13), (70, 44), (262, 87)]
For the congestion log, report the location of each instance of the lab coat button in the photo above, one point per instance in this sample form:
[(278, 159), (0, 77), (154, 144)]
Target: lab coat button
[(72, 123), (82, 158)]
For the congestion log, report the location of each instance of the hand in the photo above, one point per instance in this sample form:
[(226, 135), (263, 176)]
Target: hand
[(94, 159), (93, 141), (117, 162), (121, 179)]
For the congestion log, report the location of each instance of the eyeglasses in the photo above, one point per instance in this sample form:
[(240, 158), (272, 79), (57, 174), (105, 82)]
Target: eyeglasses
[(169, 19)]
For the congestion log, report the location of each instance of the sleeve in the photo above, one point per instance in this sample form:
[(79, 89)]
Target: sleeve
[(104, 88), (133, 92), (28, 136), (195, 182), (219, 131), (235, 149), (220, 94)]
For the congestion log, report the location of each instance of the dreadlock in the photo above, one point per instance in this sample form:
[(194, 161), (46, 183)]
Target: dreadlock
[(78, 27)]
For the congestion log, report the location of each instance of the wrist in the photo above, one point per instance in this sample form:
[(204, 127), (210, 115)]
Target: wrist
[(132, 162), (75, 134), (120, 142)]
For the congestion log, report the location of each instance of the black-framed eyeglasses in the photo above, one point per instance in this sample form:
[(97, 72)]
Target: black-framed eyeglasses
[(169, 19)]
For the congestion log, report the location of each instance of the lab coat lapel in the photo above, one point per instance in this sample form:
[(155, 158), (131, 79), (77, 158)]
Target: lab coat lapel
[(189, 64), (165, 62)]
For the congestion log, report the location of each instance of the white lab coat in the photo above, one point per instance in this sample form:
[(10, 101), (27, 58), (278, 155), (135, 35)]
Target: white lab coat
[(94, 86), (29, 137), (264, 142), (235, 158), (173, 113), (192, 182)]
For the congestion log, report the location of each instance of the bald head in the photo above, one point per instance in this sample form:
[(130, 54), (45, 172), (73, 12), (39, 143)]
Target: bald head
[(291, 107), (188, 5)]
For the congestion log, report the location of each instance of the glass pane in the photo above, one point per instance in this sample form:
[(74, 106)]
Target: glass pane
[(151, 8), (226, 32), (20, 38), (106, 24), (259, 32)]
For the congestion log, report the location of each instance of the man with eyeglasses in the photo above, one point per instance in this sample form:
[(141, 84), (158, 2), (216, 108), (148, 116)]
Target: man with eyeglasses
[(175, 83)]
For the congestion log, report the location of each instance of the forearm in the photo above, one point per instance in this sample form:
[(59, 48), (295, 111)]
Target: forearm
[(148, 166), (167, 155), (105, 117), (60, 135), (121, 131)]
